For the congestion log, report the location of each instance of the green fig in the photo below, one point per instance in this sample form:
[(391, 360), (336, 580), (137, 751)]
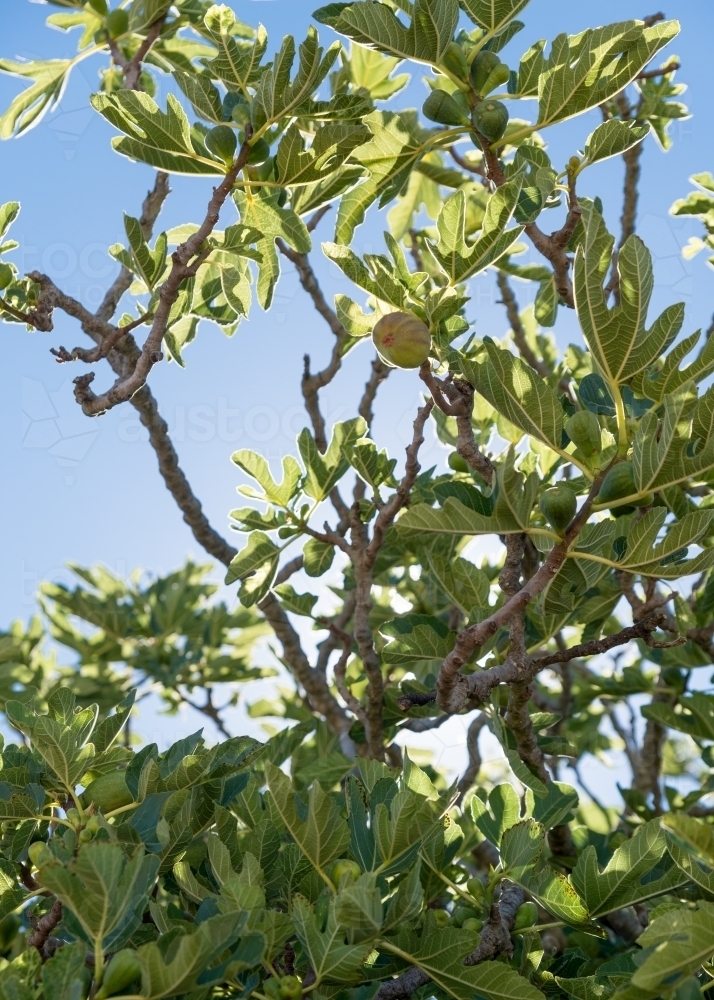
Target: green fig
[(440, 107), (259, 152), (473, 924), (235, 108), (222, 142), (123, 969), (101, 35), (583, 429), (559, 505), (490, 118), (462, 913), (99, 7), (402, 340), (108, 792), (39, 853), (345, 872), (117, 22), (496, 78), (476, 889), (454, 60), (6, 275), (481, 68), (457, 463), (290, 988), (619, 483), (441, 917), (526, 916)]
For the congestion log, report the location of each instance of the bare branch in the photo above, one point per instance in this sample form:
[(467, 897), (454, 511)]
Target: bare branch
[(648, 74), (640, 630), (474, 766), (455, 398)]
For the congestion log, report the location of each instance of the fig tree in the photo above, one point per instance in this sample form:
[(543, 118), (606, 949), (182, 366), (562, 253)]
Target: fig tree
[(345, 872), (402, 340), (290, 988)]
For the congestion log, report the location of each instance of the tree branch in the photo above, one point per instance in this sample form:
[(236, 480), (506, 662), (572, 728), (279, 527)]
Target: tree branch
[(453, 689), (455, 398)]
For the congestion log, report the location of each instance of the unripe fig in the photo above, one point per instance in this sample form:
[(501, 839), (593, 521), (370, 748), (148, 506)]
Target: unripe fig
[(99, 7), (259, 152), (402, 340), (573, 164), (457, 463), (5, 275), (498, 76), (442, 108), (482, 67), (473, 924), (462, 913), (345, 872), (117, 22), (73, 816), (222, 142), (123, 969), (583, 429), (454, 60), (101, 35), (476, 889), (441, 917), (619, 483), (108, 792), (290, 988), (558, 505), (526, 916), (490, 118), (39, 853), (232, 101), (85, 836), (93, 825)]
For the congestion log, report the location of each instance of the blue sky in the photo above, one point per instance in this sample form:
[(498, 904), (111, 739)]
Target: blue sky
[(88, 490)]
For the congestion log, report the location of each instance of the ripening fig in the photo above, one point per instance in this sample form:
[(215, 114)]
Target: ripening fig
[(440, 107), (222, 142), (583, 429), (402, 340), (481, 68), (490, 118), (558, 505)]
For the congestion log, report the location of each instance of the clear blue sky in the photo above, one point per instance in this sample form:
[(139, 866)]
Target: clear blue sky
[(88, 490)]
